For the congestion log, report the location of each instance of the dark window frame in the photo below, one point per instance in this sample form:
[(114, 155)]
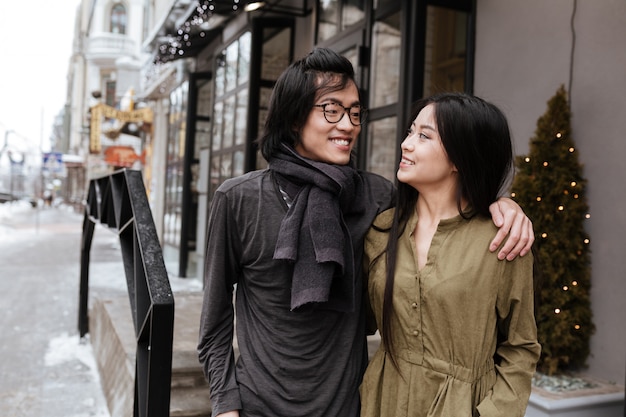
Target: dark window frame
[(118, 19)]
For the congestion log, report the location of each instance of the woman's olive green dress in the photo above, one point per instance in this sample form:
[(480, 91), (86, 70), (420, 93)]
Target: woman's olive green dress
[(463, 327)]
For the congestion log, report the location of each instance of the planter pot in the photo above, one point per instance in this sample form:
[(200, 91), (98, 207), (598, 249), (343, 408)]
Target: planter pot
[(601, 400)]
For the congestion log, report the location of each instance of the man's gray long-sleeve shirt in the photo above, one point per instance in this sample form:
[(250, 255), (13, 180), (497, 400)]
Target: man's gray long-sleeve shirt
[(307, 362)]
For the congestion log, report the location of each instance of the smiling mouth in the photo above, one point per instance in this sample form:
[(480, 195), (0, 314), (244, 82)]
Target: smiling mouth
[(342, 142), (407, 161)]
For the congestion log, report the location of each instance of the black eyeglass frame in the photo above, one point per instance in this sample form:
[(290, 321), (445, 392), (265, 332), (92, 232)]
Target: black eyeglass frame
[(346, 110)]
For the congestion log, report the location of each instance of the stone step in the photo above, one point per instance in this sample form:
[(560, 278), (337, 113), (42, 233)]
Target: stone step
[(186, 370), (190, 402), (113, 340)]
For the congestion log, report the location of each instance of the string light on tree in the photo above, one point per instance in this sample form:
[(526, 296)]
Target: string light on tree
[(550, 188)]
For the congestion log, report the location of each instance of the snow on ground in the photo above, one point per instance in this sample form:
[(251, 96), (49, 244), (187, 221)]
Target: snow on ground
[(8, 211), (64, 350), (67, 354)]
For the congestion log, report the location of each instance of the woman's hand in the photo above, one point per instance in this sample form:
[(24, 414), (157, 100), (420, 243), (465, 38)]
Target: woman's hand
[(510, 218), (229, 414)]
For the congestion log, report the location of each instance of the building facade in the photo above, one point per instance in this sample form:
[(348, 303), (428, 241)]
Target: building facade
[(207, 69), (103, 75)]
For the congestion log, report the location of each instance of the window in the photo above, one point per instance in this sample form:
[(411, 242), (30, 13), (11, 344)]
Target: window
[(109, 95), (231, 135), (230, 111), (445, 56), (118, 19), (381, 140), (384, 95), (436, 60), (172, 223), (338, 15), (385, 67)]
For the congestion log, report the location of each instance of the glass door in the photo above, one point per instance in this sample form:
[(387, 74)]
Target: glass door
[(446, 52), (189, 129), (417, 49), (384, 92)]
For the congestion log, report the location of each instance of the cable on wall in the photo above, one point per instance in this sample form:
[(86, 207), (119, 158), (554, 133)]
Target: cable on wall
[(571, 59)]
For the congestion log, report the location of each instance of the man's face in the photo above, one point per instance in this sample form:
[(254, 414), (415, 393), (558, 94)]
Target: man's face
[(330, 142)]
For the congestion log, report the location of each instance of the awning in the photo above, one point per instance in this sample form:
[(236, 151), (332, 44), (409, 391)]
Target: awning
[(189, 27)]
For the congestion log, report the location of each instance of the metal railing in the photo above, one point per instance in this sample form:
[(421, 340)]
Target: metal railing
[(119, 201)]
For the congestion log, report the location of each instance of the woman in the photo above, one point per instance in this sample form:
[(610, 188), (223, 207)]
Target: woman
[(458, 331), (291, 238)]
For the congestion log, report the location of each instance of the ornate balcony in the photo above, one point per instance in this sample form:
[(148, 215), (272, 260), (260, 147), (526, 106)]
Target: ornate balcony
[(103, 49)]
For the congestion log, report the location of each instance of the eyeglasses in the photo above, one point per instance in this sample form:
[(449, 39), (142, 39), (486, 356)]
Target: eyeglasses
[(334, 112)]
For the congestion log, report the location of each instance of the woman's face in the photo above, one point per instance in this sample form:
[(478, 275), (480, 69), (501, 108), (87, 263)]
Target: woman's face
[(330, 142), (424, 162)]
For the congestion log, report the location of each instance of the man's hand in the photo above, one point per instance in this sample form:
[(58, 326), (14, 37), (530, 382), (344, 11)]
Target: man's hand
[(510, 218)]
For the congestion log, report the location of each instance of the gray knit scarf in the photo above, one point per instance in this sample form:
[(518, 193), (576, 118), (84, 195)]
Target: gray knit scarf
[(313, 235)]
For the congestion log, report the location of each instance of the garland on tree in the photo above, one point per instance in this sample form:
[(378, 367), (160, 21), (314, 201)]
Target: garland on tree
[(549, 186)]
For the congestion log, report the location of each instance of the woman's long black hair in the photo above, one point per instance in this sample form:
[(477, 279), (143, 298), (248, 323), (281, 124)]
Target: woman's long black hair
[(475, 135)]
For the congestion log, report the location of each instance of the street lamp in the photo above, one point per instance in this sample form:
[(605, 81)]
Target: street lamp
[(6, 140)]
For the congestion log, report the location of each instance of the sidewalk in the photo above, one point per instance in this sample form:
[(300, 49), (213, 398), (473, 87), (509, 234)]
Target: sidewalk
[(46, 370)]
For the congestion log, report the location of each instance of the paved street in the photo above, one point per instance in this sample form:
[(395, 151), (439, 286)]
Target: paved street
[(45, 369)]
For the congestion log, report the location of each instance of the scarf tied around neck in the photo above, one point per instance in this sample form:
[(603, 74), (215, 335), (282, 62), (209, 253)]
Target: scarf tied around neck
[(313, 235)]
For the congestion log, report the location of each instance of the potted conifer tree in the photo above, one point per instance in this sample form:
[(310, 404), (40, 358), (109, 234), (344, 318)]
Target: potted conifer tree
[(550, 187)]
